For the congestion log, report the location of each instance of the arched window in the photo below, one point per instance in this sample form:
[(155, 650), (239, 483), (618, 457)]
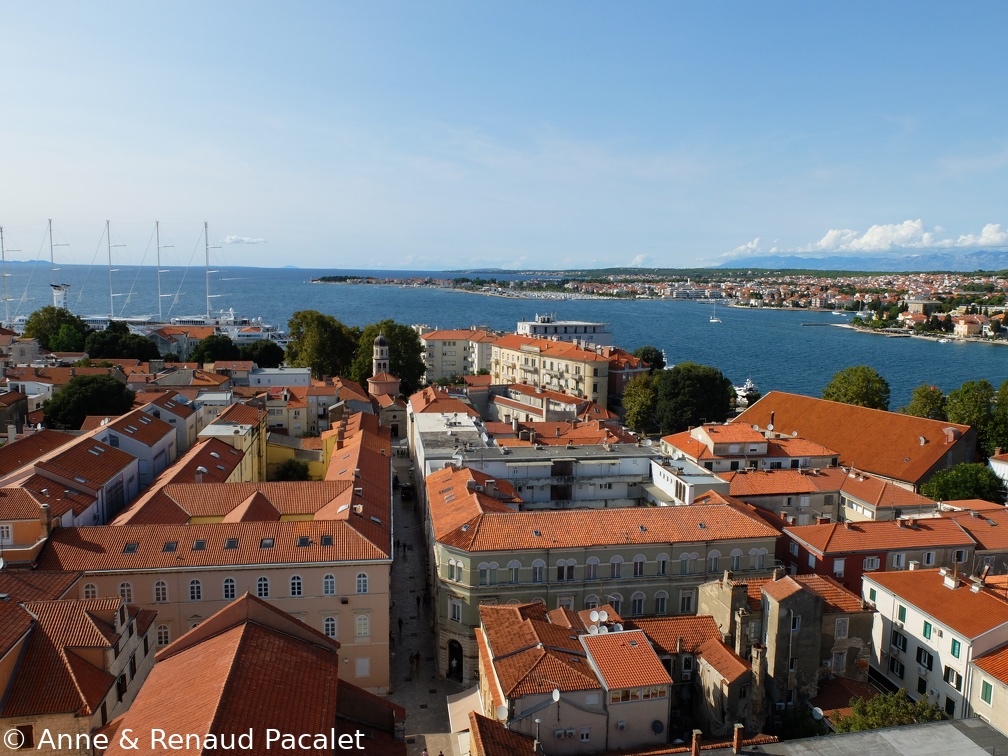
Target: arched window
[(638, 565), (295, 585), (565, 569), (616, 602), (90, 591), (513, 567), (538, 571), (637, 604), (661, 602), (160, 592), (484, 573), (662, 564), (591, 602), (591, 568), (195, 590), (451, 569), (229, 588), (126, 592), (616, 566), (761, 556), (329, 585), (361, 582), (492, 572), (539, 600), (363, 623), (163, 635), (684, 564), (736, 559), (329, 627), (262, 587), (713, 560)]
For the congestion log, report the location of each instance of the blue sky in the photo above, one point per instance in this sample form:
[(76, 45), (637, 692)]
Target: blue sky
[(536, 135)]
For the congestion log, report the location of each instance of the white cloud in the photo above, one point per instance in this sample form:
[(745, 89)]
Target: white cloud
[(639, 261), (748, 247), (242, 240)]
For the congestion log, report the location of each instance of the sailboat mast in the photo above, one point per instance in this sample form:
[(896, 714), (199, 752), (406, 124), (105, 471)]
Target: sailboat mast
[(3, 274), (111, 296), (206, 246), (157, 235)]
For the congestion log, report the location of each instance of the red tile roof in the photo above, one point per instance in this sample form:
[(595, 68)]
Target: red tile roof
[(26, 449), (146, 429), (837, 598), (745, 483), (669, 632), (725, 661), (873, 535), (782, 589), (970, 614), (836, 693), (60, 498), (90, 463), (995, 664), (884, 443), (626, 660), (563, 350), (491, 738), (989, 530), (170, 401)]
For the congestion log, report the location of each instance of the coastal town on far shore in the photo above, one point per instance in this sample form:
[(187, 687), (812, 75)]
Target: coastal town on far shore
[(406, 539)]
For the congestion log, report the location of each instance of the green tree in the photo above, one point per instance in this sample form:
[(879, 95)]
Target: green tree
[(860, 385), (691, 394), (887, 710), (292, 469), (652, 356), (640, 403), (105, 343), (45, 323), (67, 339), (321, 342), (927, 401), (133, 346), (213, 349), (86, 395), (405, 354), (264, 353), (973, 404), (965, 481)]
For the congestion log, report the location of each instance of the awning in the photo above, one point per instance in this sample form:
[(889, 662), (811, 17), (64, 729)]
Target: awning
[(459, 706)]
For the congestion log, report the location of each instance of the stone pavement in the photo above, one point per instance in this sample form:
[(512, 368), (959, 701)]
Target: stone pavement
[(420, 690)]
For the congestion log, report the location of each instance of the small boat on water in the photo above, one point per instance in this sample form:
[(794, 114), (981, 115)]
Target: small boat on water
[(714, 318), (742, 392)]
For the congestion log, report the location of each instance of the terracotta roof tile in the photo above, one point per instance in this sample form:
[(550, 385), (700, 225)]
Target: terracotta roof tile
[(989, 530), (995, 664), (29, 448), (491, 738), (725, 661), (875, 535), (779, 590), (626, 659), (146, 429), (88, 462), (60, 498), (668, 632), (837, 598)]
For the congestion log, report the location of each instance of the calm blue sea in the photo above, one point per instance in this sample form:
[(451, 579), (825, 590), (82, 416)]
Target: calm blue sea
[(770, 346)]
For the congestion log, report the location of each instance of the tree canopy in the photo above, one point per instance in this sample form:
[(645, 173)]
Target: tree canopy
[(44, 324), (926, 401), (86, 395), (977, 404), (640, 403), (965, 481), (887, 710), (689, 395), (652, 356), (214, 348), (116, 342), (405, 354), (860, 385), (264, 353), (321, 342), (292, 469)]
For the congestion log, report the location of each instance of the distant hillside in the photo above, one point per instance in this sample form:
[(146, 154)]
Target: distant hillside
[(962, 261)]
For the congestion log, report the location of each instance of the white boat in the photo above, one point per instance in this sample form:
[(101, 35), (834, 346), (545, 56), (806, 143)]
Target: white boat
[(943, 341), (714, 318), (743, 391)]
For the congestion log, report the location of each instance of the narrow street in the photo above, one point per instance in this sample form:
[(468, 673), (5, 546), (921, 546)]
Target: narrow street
[(416, 686)]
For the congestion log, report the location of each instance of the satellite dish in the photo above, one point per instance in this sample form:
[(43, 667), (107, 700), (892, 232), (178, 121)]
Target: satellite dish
[(769, 426), (648, 442), (603, 630), (755, 427), (502, 712), (594, 615), (603, 615), (593, 630), (794, 434), (619, 627), (556, 695), (817, 713)]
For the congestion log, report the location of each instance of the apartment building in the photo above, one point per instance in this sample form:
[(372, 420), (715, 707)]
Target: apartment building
[(731, 447), (456, 352), (546, 326), (556, 365)]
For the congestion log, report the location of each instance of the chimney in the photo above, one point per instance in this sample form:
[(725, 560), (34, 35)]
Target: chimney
[(695, 749), (45, 515), (737, 738), (822, 521), (778, 573), (914, 564), (899, 523), (491, 486), (514, 424), (11, 433)]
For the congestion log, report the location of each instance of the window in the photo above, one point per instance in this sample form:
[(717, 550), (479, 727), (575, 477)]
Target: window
[(26, 738), (637, 604), (927, 629), (295, 585), (898, 560), (922, 685), (591, 602), (662, 562), (660, 600), (986, 692), (229, 588), (838, 567), (362, 624), (839, 662), (896, 667), (163, 635), (792, 664), (195, 590), (872, 593), (90, 591), (686, 602), (638, 566), (929, 558), (684, 566), (616, 602), (262, 587), (361, 582), (953, 678), (362, 668), (925, 658), (901, 613), (329, 585), (126, 592), (329, 627), (160, 592), (795, 623), (591, 568), (456, 610), (793, 548), (898, 640), (565, 570), (713, 561), (736, 559), (585, 734), (950, 706), (513, 568), (871, 563), (615, 566), (231, 543), (453, 574), (811, 560), (538, 571), (842, 624), (956, 648)]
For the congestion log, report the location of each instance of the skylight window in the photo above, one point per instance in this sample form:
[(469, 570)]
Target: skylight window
[(303, 541), (537, 533), (266, 543), (170, 546), (199, 545), (131, 548), (327, 540), (231, 543)]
